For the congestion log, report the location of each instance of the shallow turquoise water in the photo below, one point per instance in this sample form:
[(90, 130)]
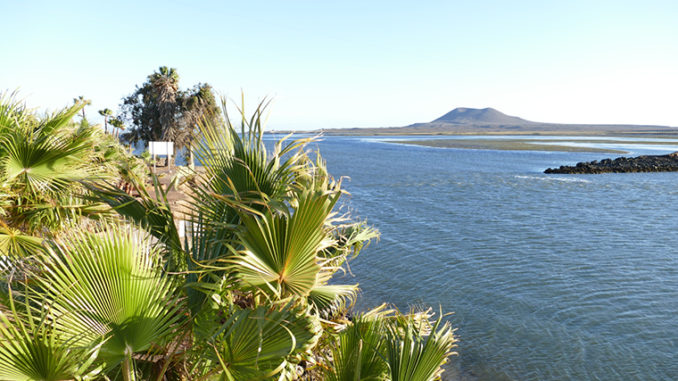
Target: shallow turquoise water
[(550, 277)]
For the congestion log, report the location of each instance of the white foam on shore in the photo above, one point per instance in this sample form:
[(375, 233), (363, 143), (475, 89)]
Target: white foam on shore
[(549, 178)]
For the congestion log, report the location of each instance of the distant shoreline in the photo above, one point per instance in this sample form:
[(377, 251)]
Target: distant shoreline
[(543, 143), (503, 145), (659, 134)]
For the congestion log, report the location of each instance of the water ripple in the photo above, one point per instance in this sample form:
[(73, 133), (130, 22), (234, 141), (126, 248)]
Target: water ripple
[(550, 278)]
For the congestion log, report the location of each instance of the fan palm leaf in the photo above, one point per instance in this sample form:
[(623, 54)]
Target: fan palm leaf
[(254, 344), (31, 349), (237, 164), (42, 164), (108, 284), (357, 355), (329, 299), (154, 214), (41, 158), (13, 243), (281, 248), (13, 113), (413, 356)]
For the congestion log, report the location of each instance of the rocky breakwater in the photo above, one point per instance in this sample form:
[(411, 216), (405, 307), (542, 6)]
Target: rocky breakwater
[(648, 163)]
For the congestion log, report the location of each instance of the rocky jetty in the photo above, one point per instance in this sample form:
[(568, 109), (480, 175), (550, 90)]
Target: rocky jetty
[(648, 163)]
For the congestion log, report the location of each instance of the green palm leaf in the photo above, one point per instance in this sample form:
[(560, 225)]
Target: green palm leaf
[(412, 356), (108, 285), (55, 123), (14, 243), (154, 214), (13, 113), (331, 298), (42, 160), (281, 249), (238, 165), (254, 344), (40, 355), (31, 349), (356, 357)]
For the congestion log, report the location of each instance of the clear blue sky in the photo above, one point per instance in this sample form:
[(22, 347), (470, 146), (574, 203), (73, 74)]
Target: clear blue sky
[(358, 63)]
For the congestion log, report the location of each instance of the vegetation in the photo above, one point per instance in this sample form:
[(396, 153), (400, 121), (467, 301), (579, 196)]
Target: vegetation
[(116, 292), (84, 102), (43, 162), (159, 110), (106, 113), (118, 124)]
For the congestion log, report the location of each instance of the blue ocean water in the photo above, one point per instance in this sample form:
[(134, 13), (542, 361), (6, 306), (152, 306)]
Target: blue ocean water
[(550, 277)]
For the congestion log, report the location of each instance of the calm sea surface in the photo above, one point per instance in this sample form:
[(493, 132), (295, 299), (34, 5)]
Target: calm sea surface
[(550, 277)]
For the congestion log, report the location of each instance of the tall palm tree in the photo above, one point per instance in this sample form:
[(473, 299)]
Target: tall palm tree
[(80, 100), (106, 113), (198, 107), (166, 84), (118, 124)]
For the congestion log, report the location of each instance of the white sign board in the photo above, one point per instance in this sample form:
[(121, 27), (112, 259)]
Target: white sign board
[(161, 148)]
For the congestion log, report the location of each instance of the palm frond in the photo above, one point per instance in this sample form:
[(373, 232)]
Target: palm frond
[(330, 299), (154, 214), (357, 354), (237, 163), (281, 249), (13, 243), (31, 349), (412, 355), (13, 112), (42, 164), (254, 344), (41, 159), (54, 124), (108, 284)]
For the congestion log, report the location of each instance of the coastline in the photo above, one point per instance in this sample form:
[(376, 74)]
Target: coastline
[(471, 131), (503, 145)]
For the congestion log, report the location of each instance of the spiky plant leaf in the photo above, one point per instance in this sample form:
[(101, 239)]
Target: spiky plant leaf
[(237, 165), (41, 159)]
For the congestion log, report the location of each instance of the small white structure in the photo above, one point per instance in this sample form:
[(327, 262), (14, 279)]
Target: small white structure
[(182, 229), (161, 149)]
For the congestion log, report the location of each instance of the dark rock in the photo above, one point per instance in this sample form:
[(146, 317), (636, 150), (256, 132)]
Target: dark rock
[(647, 163)]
